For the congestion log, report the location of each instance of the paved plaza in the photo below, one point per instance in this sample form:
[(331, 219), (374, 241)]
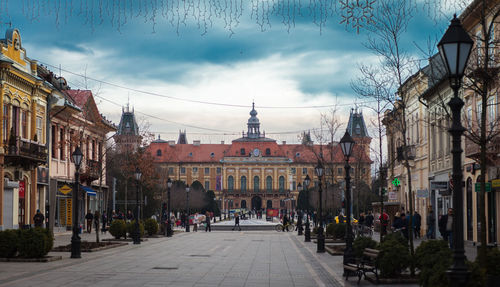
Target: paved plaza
[(223, 258)]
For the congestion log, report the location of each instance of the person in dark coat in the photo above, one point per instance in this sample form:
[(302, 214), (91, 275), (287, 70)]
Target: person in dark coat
[(431, 221), (207, 221), (369, 220), (90, 218), (446, 226), (104, 222), (38, 218), (237, 222), (417, 220)]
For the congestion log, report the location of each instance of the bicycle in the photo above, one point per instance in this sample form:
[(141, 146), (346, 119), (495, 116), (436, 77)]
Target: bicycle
[(288, 227)]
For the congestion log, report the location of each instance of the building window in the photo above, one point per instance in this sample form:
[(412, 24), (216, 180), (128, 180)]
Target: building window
[(242, 151), (15, 120), (24, 124), (256, 182), (268, 151), (269, 183), (492, 111), (230, 183), (339, 171), (293, 170), (190, 154), (207, 170), (183, 170), (61, 145), (54, 140), (297, 154), (243, 183), (294, 185), (170, 170), (212, 154), (304, 170), (5, 122), (281, 181), (195, 170), (479, 110), (100, 154), (207, 185), (219, 170), (158, 152), (363, 171)]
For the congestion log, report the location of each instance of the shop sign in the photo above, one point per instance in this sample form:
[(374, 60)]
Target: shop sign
[(393, 195), (42, 175), (65, 189), (422, 193), (487, 186), (21, 188), (495, 183)]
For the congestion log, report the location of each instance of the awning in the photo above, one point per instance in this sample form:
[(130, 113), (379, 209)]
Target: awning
[(89, 190)]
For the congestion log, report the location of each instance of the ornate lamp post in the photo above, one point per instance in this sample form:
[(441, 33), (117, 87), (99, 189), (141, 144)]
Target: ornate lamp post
[(299, 216), (321, 236), (455, 48), (187, 207), (76, 242), (346, 144), (137, 235), (169, 224), (307, 234)]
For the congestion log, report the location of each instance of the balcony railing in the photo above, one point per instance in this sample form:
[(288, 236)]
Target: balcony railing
[(409, 152), (91, 170), (472, 149), (26, 152)]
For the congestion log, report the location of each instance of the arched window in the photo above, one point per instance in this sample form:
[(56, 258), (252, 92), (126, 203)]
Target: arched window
[(268, 151), (282, 183), (158, 152), (269, 204), (256, 186), (269, 183), (243, 204), (230, 183), (242, 151), (243, 183)]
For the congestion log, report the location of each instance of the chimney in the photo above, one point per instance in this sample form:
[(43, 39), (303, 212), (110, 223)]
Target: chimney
[(196, 143), (171, 143), (221, 142), (284, 142)]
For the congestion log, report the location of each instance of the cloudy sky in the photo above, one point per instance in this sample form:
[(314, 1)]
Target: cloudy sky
[(198, 64)]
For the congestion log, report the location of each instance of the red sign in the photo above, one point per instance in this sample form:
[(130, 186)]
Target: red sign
[(21, 189), (272, 212)]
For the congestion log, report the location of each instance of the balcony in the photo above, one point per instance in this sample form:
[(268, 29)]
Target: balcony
[(472, 150), (91, 171), (25, 153), (408, 152)]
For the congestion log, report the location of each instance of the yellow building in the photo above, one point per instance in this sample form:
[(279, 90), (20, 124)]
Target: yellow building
[(23, 149)]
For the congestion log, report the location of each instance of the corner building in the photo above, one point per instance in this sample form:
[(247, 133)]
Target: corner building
[(256, 172)]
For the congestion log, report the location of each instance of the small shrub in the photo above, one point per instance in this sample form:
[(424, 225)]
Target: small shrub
[(477, 276), (330, 229), (433, 258), (362, 242), (50, 239), (8, 243), (493, 262), (393, 258), (314, 230), (339, 231), (131, 228), (398, 237), (32, 243), (118, 229), (151, 226)]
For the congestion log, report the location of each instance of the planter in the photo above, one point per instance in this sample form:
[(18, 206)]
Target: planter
[(335, 250), (90, 246), (402, 279), (42, 259), (492, 280)]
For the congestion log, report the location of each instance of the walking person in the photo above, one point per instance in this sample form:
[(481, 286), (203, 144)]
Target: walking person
[(384, 221), (207, 221), (446, 227), (431, 221), (417, 219), (38, 218), (89, 217), (104, 222), (237, 221)]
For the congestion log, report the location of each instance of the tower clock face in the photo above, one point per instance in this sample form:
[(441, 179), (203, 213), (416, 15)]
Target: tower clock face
[(256, 152)]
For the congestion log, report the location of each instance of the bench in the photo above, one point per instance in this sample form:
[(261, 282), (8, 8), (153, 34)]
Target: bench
[(367, 263)]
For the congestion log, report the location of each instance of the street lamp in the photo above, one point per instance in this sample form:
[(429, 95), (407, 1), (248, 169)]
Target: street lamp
[(307, 234), (321, 236), (169, 224), (299, 216), (187, 207), (137, 235), (346, 144), (76, 242), (455, 48)]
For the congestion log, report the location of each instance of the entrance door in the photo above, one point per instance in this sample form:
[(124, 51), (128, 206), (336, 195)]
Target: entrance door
[(269, 204), (243, 204), (8, 203), (256, 203)]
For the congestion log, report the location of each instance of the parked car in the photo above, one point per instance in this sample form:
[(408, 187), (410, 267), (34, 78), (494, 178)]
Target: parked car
[(353, 220)]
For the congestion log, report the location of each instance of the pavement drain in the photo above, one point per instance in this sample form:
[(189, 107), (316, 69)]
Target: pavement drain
[(165, 268), (258, 240), (199, 255)]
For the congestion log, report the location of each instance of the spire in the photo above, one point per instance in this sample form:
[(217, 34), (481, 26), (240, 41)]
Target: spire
[(356, 126), (182, 137), (253, 124)]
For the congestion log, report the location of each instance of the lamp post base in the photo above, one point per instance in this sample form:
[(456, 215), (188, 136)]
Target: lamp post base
[(76, 246), (458, 276), (307, 234), (321, 241), (169, 229), (300, 230)]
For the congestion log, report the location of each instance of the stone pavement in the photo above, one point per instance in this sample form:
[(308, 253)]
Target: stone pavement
[(248, 258)]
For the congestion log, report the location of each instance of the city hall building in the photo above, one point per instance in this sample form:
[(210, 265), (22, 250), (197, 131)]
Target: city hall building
[(254, 171)]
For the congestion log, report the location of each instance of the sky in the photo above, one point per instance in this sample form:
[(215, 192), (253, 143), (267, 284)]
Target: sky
[(197, 65)]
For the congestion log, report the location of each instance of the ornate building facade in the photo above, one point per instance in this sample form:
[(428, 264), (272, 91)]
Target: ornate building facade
[(254, 171)]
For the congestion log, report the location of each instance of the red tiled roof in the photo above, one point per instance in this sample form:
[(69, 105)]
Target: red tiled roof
[(203, 153), (79, 97)]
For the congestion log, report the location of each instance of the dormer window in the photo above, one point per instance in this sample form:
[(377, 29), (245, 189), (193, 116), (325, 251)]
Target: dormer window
[(158, 152), (268, 151), (212, 154), (242, 151), (190, 154), (297, 154)]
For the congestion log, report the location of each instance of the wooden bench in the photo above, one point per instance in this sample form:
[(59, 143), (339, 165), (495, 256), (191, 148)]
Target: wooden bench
[(367, 263)]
